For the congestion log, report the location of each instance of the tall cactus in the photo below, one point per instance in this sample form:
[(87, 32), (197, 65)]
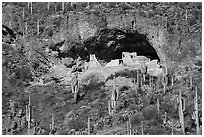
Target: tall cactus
[(27, 117), (112, 104), (89, 126), (164, 84), (143, 70), (151, 82), (191, 80), (172, 127), (29, 114), (75, 83), (30, 110), (138, 78), (23, 13), (135, 85), (26, 28), (31, 8), (142, 127), (183, 104), (130, 132), (198, 132), (75, 86), (141, 82), (88, 5), (158, 110), (115, 94), (143, 67), (52, 125), (63, 6), (55, 8), (172, 80), (165, 81), (165, 117), (129, 127), (28, 6), (110, 107), (181, 117), (38, 26), (48, 6), (53, 122)]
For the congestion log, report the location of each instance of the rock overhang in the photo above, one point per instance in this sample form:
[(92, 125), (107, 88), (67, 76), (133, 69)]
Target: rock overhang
[(109, 44)]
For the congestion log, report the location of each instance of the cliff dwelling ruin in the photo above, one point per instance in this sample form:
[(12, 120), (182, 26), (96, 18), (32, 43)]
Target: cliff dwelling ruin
[(122, 50)]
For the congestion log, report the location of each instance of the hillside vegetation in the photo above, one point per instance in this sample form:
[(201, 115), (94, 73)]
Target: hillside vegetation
[(40, 48)]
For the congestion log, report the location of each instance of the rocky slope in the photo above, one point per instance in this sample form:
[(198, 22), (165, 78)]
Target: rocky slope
[(45, 44)]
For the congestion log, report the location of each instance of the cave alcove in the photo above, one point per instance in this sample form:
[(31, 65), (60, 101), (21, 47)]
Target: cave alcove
[(109, 44)]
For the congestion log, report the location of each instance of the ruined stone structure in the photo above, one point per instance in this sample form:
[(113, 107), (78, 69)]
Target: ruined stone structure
[(129, 60), (93, 62)]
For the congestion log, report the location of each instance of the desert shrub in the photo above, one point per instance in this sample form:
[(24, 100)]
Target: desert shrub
[(142, 14), (124, 73), (155, 121), (23, 73), (192, 21), (123, 88), (168, 107), (92, 82), (77, 124), (102, 95), (149, 112), (136, 119), (158, 130), (62, 132)]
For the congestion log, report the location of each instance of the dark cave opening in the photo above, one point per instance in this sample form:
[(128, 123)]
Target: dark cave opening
[(109, 44)]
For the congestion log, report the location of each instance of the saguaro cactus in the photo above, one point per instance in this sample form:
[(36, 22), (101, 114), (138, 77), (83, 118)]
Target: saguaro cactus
[(75, 83), (143, 68), (112, 104), (53, 122), (115, 96), (38, 26), (89, 126), (129, 127), (142, 127), (23, 13), (135, 85), (191, 80), (172, 80), (181, 117), (172, 127), (55, 8), (26, 28), (28, 6), (29, 114), (196, 112), (63, 6), (48, 6), (52, 125), (158, 110), (75, 86), (137, 78), (165, 117), (31, 8), (110, 107), (164, 83), (151, 82)]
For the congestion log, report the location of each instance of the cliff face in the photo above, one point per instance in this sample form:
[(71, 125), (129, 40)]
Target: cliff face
[(117, 33), (100, 29), (44, 45), (58, 36)]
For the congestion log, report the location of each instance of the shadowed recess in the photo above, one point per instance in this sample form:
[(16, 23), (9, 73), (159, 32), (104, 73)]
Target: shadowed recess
[(110, 43)]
